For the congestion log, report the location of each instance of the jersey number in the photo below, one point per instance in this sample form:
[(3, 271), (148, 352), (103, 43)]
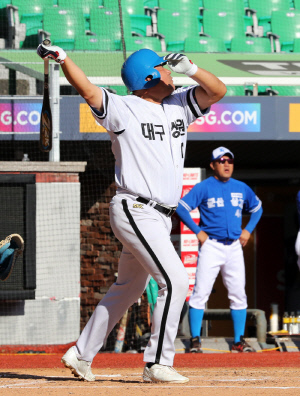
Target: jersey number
[(238, 213)]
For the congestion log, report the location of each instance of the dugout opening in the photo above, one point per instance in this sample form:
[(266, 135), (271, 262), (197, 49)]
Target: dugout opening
[(18, 215)]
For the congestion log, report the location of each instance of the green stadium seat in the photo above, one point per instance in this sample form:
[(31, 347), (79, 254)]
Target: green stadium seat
[(141, 24), (64, 25), (176, 26), (31, 13), (297, 45), (33, 23), (152, 4), (264, 9), (223, 25), (133, 7), (136, 43), (66, 44), (251, 44), (105, 23), (235, 90), (235, 6), (3, 3), (85, 6), (179, 8), (191, 6), (287, 26), (32, 6), (263, 90), (93, 43), (204, 44), (287, 90), (112, 4)]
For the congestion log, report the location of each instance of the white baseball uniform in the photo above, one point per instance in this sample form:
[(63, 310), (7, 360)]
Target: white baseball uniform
[(149, 142)]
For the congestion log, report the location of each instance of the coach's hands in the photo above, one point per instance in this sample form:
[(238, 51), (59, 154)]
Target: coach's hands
[(180, 63), (202, 236), (244, 238), (52, 52)]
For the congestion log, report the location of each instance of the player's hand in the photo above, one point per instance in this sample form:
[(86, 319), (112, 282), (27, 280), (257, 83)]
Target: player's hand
[(244, 238), (180, 63), (202, 236), (52, 52)]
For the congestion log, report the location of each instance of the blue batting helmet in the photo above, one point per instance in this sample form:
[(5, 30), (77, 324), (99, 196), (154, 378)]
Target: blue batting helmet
[(138, 67)]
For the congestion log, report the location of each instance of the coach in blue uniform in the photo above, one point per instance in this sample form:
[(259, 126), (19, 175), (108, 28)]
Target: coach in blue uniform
[(221, 201)]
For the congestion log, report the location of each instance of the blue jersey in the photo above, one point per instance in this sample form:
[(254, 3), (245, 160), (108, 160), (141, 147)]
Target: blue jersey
[(221, 205)]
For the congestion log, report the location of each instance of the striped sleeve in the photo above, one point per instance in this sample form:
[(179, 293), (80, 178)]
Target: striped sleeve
[(187, 98), (193, 104), (252, 202), (257, 208), (193, 199), (97, 114), (115, 114)]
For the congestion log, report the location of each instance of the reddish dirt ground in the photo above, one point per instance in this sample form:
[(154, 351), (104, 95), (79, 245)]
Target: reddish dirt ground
[(267, 373)]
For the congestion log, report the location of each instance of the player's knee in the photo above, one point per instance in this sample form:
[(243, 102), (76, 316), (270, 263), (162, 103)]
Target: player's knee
[(240, 303)]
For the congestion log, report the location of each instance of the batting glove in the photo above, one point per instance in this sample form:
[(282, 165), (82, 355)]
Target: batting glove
[(180, 63), (52, 52)]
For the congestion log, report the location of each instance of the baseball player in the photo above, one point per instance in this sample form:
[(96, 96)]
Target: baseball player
[(221, 201), (148, 131), (10, 248)]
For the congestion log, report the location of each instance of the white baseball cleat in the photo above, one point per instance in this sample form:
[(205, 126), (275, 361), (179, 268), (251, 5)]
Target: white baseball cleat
[(79, 368), (160, 373)]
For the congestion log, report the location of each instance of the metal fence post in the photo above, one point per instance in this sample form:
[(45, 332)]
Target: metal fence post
[(54, 155)]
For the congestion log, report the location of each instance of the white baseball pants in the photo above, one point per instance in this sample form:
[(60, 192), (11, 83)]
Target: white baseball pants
[(229, 259), (147, 251)]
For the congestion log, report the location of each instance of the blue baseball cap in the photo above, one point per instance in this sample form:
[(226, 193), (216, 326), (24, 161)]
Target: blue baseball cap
[(219, 152), (140, 65)]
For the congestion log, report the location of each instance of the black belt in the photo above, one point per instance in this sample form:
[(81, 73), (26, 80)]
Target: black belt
[(226, 241), (168, 211)]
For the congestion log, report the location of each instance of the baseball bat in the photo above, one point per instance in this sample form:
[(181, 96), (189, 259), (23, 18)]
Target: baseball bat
[(121, 333), (46, 116)]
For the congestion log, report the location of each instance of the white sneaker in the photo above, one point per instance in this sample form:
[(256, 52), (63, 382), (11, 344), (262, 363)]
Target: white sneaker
[(160, 373), (80, 368)]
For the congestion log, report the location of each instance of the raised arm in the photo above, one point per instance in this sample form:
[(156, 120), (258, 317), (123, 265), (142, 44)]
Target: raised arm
[(76, 77), (210, 90)]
